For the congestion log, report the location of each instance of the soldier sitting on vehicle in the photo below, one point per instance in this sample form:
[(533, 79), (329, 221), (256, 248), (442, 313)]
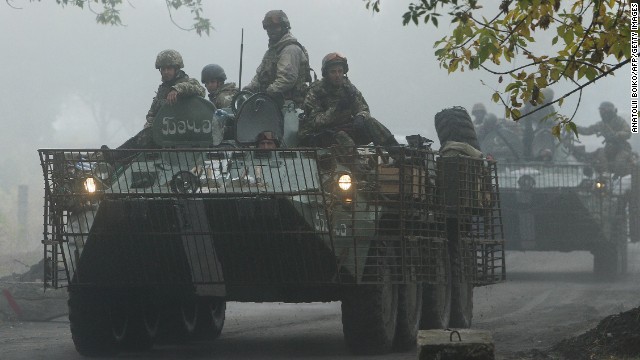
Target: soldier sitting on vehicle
[(267, 140), (336, 113), (220, 93), (483, 121), (616, 156), (175, 84)]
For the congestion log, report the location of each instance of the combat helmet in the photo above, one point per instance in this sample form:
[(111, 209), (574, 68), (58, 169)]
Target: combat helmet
[(548, 95), (478, 107), (169, 57), (213, 72), (332, 59), (276, 17)]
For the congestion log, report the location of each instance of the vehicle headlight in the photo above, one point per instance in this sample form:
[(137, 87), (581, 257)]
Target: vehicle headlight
[(344, 182), (600, 185), (90, 185)]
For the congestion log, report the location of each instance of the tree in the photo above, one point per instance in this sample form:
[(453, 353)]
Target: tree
[(590, 40), (109, 14)]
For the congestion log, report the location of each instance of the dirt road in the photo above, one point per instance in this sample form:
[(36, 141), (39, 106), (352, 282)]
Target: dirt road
[(549, 296)]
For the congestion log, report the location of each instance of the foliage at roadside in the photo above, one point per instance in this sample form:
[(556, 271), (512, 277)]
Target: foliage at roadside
[(108, 11), (587, 40)]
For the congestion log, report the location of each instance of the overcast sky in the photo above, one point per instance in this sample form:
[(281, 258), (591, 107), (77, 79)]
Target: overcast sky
[(394, 67), (62, 71)]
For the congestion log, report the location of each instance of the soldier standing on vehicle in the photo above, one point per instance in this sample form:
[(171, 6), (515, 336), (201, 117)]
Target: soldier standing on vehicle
[(336, 113), (617, 154), (538, 125), (284, 70), (220, 93)]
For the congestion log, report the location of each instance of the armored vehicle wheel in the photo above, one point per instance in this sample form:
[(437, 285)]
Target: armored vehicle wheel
[(369, 315), (181, 320), (133, 324), (211, 318), (409, 315), (436, 300), (90, 325)]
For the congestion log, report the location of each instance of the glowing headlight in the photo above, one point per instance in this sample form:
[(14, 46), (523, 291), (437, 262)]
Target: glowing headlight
[(344, 182), (90, 185), (600, 185)]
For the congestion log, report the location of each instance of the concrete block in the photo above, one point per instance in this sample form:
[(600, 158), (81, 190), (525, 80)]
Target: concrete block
[(446, 345)]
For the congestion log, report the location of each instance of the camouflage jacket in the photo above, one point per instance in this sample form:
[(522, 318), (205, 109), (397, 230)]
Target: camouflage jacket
[(321, 110), (284, 69), (615, 132), (222, 97), (183, 84)]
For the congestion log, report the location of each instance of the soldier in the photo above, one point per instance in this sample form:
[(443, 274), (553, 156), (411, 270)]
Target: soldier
[(267, 140), (617, 154), (220, 93), (484, 122), (284, 70), (175, 83), (537, 126), (335, 113)]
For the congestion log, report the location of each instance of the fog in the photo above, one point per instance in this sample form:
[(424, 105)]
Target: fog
[(70, 82)]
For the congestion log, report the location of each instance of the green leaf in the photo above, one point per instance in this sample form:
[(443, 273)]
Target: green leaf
[(495, 97)]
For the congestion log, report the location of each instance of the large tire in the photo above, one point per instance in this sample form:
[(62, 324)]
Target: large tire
[(461, 285), (211, 318), (409, 316), (369, 315), (90, 324), (436, 300), (143, 321), (181, 320)]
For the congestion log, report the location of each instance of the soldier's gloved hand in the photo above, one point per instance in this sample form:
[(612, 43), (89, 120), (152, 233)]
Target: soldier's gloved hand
[(359, 123)]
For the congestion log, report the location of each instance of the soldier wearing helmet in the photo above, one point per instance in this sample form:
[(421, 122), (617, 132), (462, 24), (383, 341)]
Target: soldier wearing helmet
[(175, 83), (220, 93), (267, 140), (336, 113), (536, 127), (616, 156), (284, 70)]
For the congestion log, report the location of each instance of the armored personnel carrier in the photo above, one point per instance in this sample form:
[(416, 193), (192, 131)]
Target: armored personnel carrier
[(152, 243), (558, 202)]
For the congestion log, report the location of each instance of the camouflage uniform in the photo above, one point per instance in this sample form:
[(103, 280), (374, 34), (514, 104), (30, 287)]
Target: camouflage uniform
[(323, 117), (284, 70), (183, 84), (536, 126), (223, 96), (617, 154)]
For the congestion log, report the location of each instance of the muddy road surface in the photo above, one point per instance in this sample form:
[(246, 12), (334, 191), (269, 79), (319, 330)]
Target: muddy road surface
[(548, 297)]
